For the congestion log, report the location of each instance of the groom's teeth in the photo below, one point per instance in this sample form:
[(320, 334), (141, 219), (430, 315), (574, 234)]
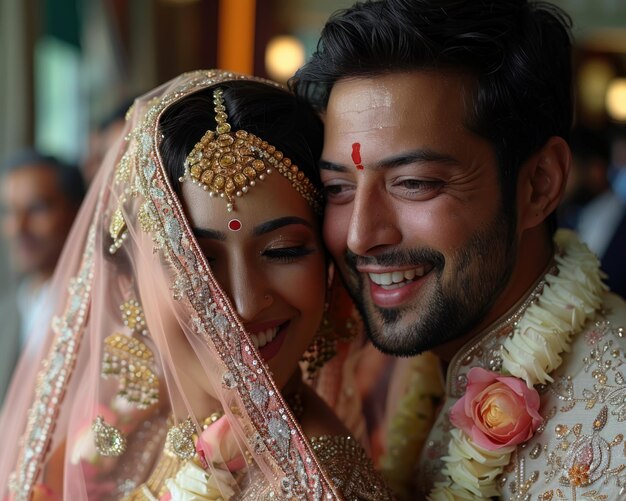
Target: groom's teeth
[(396, 277), (260, 339)]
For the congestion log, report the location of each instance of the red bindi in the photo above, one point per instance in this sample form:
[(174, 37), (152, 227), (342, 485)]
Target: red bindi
[(234, 225), (356, 155)]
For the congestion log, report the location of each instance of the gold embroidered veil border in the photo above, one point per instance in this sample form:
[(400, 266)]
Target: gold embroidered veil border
[(48, 414)]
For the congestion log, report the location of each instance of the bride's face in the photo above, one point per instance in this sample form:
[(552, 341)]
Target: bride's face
[(267, 255)]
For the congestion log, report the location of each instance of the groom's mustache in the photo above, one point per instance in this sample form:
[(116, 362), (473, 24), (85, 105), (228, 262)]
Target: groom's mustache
[(397, 258)]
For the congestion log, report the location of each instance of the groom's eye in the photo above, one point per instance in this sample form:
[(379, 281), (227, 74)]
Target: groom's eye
[(338, 192)]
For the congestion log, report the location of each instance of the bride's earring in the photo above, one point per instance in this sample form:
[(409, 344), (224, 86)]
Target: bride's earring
[(108, 440), (129, 359), (322, 348), (339, 324)]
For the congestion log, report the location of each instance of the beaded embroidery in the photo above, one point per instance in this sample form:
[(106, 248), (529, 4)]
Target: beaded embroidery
[(54, 377), (274, 429), (213, 316)]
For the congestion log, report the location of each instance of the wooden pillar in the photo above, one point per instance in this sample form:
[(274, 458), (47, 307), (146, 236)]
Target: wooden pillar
[(235, 48)]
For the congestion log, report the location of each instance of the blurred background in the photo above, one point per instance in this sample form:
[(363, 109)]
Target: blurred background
[(70, 68), (67, 65)]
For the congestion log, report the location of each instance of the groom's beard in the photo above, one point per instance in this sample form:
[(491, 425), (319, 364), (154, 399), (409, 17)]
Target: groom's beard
[(456, 294)]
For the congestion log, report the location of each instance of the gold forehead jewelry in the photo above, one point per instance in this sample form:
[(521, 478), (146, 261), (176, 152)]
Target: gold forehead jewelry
[(228, 165)]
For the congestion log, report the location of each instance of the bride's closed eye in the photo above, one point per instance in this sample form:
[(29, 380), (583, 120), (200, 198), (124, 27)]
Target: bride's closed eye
[(287, 254)]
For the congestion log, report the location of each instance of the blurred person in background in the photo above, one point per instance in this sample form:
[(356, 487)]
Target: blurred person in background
[(39, 197), (593, 208)]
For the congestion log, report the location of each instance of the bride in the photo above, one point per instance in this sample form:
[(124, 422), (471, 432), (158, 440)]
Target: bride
[(188, 301)]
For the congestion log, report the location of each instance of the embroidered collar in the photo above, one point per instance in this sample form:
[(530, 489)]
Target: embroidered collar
[(525, 344)]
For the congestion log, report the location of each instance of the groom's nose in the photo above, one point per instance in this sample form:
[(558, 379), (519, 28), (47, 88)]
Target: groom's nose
[(372, 227)]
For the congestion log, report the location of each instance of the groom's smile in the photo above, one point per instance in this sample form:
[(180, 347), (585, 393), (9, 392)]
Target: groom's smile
[(418, 236)]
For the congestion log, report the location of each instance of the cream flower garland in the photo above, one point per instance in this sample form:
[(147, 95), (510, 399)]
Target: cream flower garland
[(193, 483), (409, 427), (568, 300)]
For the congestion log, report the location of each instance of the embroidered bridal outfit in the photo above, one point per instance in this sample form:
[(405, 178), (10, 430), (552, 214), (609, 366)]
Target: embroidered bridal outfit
[(106, 414)]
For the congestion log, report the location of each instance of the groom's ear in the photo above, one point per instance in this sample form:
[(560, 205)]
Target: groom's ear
[(541, 183)]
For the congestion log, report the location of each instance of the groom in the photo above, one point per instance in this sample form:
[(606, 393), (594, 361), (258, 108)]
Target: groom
[(445, 158)]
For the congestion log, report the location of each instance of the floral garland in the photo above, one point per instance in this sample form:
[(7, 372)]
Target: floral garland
[(408, 429), (500, 410), (208, 474)]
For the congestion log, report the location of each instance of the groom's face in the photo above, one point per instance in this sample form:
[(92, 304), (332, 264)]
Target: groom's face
[(414, 213)]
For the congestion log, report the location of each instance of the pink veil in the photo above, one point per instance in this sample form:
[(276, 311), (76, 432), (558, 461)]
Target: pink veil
[(131, 247)]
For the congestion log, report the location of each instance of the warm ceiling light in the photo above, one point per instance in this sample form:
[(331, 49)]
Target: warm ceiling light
[(283, 56), (616, 99), (593, 79)]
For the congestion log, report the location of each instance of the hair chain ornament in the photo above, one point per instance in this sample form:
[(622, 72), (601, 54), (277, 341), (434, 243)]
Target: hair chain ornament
[(228, 165)]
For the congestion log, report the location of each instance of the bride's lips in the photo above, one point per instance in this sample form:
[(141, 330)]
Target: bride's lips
[(268, 337), (391, 288)]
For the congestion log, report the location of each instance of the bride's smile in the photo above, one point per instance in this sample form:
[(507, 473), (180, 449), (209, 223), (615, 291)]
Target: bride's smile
[(272, 266)]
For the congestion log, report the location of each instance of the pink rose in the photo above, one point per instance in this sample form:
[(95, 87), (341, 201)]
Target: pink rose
[(496, 411), (217, 444)]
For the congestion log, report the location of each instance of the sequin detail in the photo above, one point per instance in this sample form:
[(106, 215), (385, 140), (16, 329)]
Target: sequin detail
[(54, 377)]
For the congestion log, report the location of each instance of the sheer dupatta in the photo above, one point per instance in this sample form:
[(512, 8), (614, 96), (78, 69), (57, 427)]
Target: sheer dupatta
[(135, 304)]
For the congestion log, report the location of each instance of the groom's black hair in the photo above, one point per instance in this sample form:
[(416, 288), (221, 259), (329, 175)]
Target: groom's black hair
[(517, 51)]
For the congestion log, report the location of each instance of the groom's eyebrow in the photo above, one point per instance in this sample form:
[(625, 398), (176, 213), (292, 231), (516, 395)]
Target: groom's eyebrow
[(399, 160), (209, 234), (324, 165)]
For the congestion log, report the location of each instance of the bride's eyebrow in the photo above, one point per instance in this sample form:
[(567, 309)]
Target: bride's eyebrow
[(274, 224), (209, 234)]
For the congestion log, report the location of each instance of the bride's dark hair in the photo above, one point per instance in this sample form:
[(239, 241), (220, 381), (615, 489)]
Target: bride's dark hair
[(271, 113)]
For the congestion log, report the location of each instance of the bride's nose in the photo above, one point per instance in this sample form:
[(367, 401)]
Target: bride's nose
[(250, 292)]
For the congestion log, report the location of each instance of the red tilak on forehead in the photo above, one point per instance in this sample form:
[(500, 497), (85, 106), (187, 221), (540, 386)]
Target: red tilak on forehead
[(356, 155)]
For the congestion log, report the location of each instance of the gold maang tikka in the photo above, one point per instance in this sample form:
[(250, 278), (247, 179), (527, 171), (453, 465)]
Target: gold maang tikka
[(228, 165)]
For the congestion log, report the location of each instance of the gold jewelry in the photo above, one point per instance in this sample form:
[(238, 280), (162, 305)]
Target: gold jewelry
[(215, 416), (108, 440), (323, 347), (133, 317), (180, 439), (117, 229), (133, 362), (228, 165), (321, 350)]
